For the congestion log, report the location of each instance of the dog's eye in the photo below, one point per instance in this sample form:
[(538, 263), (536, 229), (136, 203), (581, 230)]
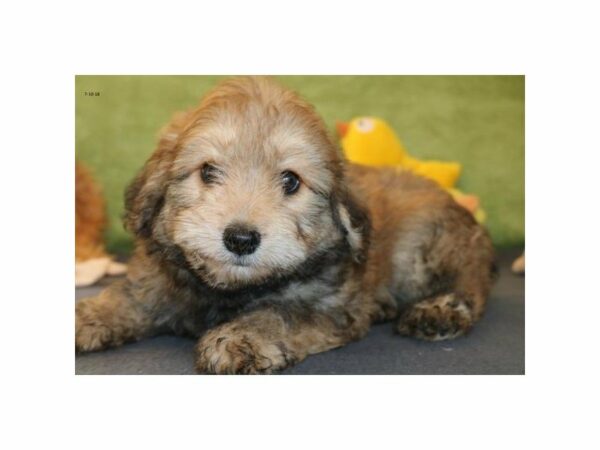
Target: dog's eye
[(290, 182), (209, 173)]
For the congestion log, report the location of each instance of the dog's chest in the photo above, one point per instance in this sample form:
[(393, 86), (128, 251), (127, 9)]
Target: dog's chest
[(214, 307)]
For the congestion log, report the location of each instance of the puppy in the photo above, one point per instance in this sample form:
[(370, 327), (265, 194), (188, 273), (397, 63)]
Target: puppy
[(254, 236)]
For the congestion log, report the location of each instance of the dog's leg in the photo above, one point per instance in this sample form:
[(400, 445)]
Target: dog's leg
[(110, 319), (446, 316), (449, 283), (266, 341)]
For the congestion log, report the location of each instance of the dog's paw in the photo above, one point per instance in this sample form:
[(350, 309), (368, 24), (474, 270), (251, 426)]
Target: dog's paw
[(91, 337), (226, 350), (90, 333), (434, 320)]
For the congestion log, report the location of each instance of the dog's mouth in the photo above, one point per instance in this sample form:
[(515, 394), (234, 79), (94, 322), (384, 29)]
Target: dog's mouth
[(241, 262), (230, 260), (244, 266)]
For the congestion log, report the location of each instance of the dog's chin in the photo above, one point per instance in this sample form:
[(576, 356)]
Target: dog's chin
[(235, 275)]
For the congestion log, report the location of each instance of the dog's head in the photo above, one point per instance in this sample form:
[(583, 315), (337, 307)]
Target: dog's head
[(248, 187)]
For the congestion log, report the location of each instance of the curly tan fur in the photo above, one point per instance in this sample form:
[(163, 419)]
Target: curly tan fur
[(354, 245)]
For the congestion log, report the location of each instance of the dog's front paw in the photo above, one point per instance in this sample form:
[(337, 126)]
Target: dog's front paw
[(226, 350), (91, 334)]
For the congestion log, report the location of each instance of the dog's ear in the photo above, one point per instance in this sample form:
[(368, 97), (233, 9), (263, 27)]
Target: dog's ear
[(353, 220), (145, 195), (144, 198)]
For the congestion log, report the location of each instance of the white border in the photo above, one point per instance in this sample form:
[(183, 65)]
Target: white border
[(46, 43)]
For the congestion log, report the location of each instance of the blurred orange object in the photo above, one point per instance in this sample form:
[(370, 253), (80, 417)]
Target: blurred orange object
[(91, 260)]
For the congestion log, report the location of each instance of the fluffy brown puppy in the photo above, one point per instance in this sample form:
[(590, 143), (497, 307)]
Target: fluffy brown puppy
[(255, 236)]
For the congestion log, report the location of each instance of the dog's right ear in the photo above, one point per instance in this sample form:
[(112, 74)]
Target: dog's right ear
[(145, 195), (144, 198)]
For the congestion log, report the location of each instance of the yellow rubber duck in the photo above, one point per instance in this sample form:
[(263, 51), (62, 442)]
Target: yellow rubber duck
[(371, 141)]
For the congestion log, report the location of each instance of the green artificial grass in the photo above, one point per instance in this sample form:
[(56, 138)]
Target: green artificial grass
[(476, 120)]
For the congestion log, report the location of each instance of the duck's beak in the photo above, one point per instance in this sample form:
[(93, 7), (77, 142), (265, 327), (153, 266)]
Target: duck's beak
[(342, 128)]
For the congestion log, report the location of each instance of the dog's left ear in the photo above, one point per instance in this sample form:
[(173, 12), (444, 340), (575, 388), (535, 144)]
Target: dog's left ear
[(353, 220)]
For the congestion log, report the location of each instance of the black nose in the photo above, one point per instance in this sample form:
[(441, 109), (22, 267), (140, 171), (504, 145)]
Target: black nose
[(241, 239)]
